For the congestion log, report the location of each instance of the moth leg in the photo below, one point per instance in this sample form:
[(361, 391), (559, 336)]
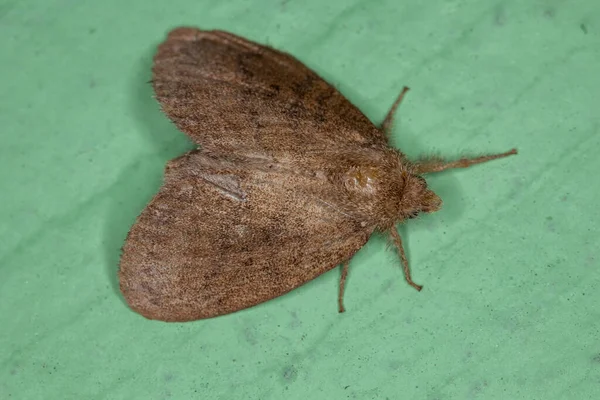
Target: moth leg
[(342, 285), (398, 243), (434, 164), (386, 126)]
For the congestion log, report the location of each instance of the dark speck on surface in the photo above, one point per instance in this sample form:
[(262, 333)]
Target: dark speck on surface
[(290, 373), (550, 226), (250, 335), (295, 322), (499, 16), (478, 387), (549, 13)]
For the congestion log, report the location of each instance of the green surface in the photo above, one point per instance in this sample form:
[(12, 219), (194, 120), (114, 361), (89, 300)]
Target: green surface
[(510, 265)]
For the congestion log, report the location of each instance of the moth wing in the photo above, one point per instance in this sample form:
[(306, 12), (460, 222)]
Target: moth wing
[(231, 95), (222, 236)]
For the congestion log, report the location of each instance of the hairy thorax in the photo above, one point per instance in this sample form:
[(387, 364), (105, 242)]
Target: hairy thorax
[(385, 190), (374, 188)]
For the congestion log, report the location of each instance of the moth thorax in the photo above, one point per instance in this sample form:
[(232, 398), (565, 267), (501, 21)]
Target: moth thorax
[(375, 192), (363, 179)]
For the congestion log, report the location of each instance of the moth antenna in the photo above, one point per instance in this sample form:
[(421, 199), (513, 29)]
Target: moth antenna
[(397, 240), (436, 164), (341, 308), (386, 126)]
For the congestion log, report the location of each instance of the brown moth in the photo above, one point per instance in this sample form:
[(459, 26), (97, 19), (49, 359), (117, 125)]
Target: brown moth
[(291, 180)]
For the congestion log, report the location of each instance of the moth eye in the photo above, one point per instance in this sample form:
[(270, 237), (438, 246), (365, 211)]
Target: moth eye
[(413, 214), (421, 180)]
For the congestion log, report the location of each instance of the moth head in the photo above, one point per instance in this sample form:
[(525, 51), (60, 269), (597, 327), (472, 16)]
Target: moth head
[(417, 197)]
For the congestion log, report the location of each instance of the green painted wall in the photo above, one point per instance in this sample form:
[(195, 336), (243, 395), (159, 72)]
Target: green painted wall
[(510, 308)]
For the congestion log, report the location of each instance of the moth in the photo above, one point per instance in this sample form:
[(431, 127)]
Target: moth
[(289, 181)]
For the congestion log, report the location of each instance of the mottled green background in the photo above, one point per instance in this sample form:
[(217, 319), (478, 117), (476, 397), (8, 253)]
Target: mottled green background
[(510, 308)]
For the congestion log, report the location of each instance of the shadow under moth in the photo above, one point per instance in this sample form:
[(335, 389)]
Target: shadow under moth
[(290, 181)]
